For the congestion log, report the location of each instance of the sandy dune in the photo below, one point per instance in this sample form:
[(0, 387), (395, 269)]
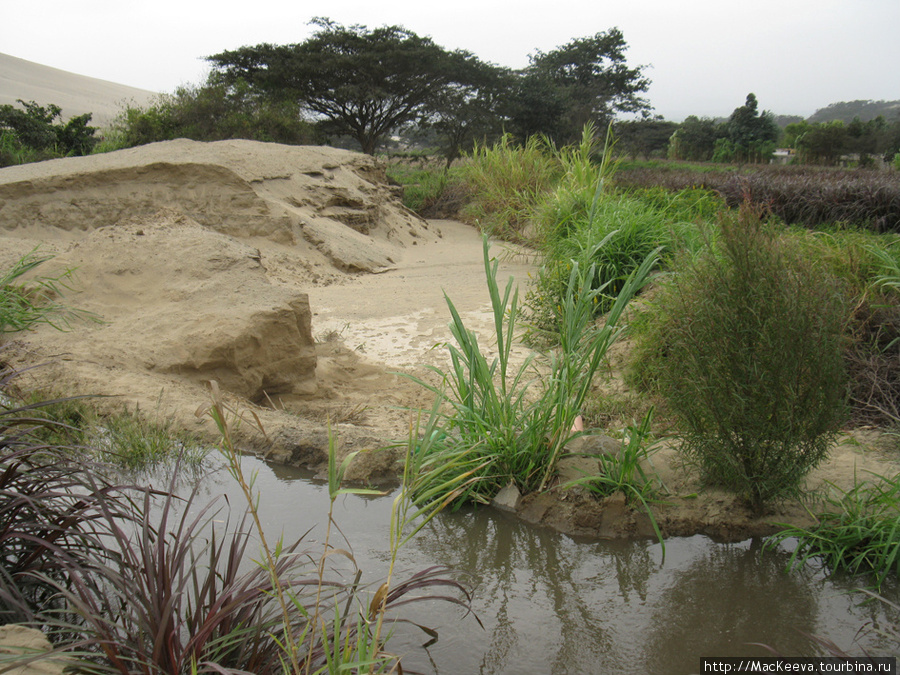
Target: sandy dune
[(75, 94)]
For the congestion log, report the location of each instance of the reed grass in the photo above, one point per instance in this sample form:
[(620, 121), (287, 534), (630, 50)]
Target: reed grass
[(335, 631), (507, 182), (27, 300), (506, 423)]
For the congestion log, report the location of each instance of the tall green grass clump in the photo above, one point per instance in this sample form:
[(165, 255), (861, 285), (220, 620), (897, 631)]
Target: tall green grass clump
[(582, 222), (507, 181), (510, 423), (746, 346), (575, 193), (858, 532), (613, 239)]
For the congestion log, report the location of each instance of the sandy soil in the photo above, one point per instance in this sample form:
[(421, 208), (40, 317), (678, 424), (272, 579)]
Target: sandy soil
[(295, 279)]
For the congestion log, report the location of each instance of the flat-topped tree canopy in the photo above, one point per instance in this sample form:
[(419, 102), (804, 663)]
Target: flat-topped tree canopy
[(359, 82)]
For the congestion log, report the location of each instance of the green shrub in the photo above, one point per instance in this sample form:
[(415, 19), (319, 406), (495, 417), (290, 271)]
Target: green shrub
[(33, 133), (210, 112), (748, 354)]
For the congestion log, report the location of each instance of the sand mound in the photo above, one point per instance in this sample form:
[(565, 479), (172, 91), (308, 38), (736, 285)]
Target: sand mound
[(197, 258), (331, 203)]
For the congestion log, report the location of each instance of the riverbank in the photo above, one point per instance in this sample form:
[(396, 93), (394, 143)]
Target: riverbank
[(295, 279)]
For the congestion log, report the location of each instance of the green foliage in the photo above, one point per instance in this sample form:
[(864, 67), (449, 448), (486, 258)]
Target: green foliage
[(430, 191), (211, 112), (13, 151), (694, 140), (498, 429), (32, 133), (689, 205), (126, 440), (613, 240), (817, 143), (466, 113), (858, 532), (582, 182), (746, 347), (824, 142), (580, 224), (507, 181), (25, 304), (751, 135), (362, 83), (131, 440), (645, 138), (584, 81)]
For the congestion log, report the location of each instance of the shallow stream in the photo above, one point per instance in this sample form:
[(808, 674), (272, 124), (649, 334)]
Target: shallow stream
[(553, 604)]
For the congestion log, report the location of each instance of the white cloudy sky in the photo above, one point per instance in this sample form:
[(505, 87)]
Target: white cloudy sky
[(703, 56)]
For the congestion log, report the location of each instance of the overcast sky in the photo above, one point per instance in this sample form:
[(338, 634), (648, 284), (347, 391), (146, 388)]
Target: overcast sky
[(702, 56)]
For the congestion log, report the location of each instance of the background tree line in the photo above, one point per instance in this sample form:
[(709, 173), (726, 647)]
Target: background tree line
[(751, 136), (358, 87)]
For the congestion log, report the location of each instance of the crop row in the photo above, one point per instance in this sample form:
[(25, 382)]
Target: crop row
[(798, 196)]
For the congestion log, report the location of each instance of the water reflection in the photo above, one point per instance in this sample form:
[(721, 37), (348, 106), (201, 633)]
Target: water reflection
[(552, 604), (722, 599)]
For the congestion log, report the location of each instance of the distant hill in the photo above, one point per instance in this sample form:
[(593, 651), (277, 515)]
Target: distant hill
[(783, 120), (75, 94), (865, 110)]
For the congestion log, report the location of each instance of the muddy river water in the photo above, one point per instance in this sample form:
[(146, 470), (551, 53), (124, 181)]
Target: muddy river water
[(552, 604)]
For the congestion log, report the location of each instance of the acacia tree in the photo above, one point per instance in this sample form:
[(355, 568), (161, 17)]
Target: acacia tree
[(358, 82), (586, 80)]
